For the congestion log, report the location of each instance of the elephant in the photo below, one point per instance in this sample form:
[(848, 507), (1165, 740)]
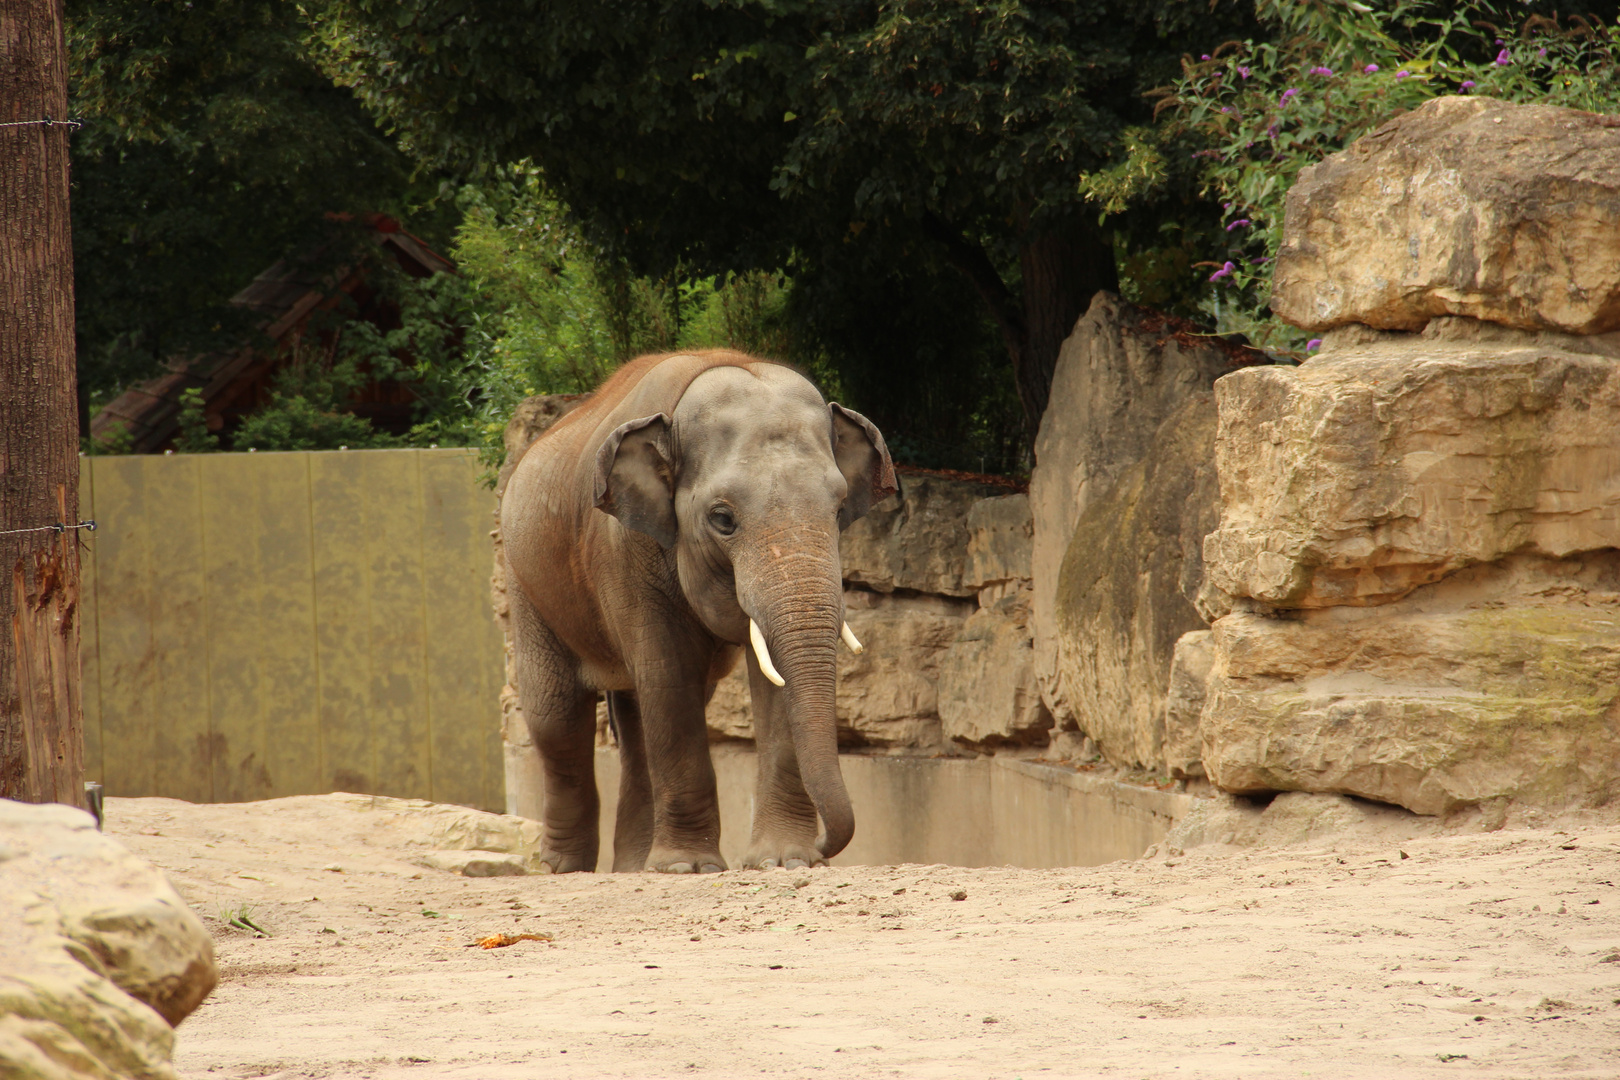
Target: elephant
[(689, 508)]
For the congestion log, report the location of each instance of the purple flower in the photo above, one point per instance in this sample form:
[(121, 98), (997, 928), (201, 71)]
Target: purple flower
[(1225, 271), (1542, 51), (1243, 72), (1402, 74), (1313, 344), (1271, 132), (1288, 93), (1370, 69), (1238, 224), (1326, 73), (1204, 57), (1503, 58), (1226, 108), (1467, 84), (1261, 261)]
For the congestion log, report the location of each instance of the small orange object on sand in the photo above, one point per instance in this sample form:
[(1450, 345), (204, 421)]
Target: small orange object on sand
[(501, 941)]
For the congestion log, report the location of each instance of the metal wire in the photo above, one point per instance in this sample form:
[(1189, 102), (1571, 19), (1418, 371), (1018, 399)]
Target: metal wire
[(47, 122), (57, 528)]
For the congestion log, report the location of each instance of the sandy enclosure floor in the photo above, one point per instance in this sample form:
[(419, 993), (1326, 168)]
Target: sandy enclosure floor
[(1488, 955)]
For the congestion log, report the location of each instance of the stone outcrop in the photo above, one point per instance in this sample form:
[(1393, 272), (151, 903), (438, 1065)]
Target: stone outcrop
[(1465, 206), (1122, 494), (988, 693), (1500, 681), (1190, 668), (1420, 532), (1128, 585), (916, 539), (99, 956), (1390, 462)]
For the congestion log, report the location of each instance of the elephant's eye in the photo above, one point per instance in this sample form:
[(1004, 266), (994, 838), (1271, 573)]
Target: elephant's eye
[(724, 524)]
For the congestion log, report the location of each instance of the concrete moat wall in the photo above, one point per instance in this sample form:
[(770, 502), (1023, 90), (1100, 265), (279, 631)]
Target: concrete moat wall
[(979, 811)]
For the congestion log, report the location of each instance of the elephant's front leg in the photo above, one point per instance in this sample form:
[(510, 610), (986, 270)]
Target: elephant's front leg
[(685, 803), (784, 829)]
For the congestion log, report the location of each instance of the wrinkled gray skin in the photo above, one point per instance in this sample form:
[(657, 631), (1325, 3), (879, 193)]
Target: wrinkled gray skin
[(691, 493)]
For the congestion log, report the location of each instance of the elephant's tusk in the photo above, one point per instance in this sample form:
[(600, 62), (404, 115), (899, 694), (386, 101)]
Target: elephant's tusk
[(851, 640), (763, 654)]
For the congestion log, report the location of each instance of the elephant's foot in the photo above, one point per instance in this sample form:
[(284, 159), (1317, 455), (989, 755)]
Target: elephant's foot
[(562, 862), (788, 855), (685, 861)]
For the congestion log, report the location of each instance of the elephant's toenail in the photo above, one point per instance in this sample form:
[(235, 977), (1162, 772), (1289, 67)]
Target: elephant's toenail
[(767, 864), (678, 868), (711, 868), (796, 864)]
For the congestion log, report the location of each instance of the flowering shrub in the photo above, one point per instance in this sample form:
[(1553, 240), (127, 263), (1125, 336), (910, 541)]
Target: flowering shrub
[(1259, 112)]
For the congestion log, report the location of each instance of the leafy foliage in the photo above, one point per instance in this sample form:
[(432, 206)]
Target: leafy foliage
[(213, 146), (743, 135)]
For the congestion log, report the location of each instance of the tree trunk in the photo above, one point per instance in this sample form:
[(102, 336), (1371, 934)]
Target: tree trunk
[(41, 723), (1063, 267)]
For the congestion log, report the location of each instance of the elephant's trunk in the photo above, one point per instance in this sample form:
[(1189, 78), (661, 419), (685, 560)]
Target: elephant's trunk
[(797, 600)]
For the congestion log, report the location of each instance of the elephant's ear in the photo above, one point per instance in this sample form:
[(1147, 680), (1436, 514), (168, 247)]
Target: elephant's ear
[(864, 461), (635, 479)]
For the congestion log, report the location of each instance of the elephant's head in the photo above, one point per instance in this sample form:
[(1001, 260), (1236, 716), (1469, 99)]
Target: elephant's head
[(749, 484)]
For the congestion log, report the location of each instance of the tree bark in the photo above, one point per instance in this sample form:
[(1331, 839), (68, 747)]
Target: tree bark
[(1063, 266), (41, 722)]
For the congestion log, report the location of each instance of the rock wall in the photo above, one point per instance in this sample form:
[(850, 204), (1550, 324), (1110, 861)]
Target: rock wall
[(1420, 530), (1122, 494)]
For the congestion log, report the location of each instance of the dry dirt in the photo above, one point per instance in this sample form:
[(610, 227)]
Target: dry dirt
[(1492, 954)]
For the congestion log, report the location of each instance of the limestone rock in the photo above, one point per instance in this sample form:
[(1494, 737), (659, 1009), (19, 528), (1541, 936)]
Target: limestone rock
[(915, 539), (99, 956), (1382, 466), (1500, 682), (1190, 669), (887, 696), (1128, 584), (988, 693), (1000, 531), (1464, 206), (1120, 374)]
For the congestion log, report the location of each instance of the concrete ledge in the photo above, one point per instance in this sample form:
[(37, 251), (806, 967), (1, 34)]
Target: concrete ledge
[(957, 811)]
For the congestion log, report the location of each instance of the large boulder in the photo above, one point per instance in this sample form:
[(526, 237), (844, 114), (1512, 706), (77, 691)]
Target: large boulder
[(1392, 460), (1120, 376), (1129, 584), (1499, 682), (1465, 206), (99, 956)]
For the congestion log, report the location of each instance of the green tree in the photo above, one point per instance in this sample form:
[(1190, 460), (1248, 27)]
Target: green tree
[(212, 147), (744, 134)]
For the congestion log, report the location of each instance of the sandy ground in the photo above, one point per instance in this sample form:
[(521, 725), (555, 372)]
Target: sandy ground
[(1493, 954)]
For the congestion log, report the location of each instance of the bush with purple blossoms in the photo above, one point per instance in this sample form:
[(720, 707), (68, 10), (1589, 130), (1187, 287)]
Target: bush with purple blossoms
[(1256, 113)]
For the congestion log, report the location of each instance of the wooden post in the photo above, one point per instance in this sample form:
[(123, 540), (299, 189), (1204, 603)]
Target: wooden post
[(41, 721)]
